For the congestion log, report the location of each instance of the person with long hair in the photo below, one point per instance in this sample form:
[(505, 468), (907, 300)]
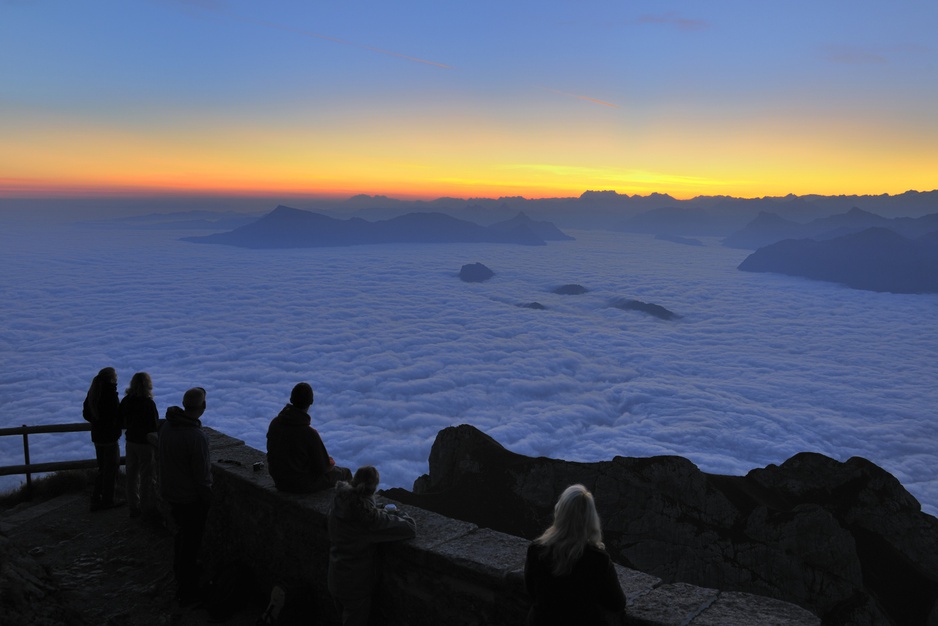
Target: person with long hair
[(568, 574), (356, 526), (101, 408), (140, 417)]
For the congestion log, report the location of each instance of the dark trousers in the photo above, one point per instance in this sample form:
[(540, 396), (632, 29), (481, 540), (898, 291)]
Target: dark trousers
[(190, 521), (108, 456)]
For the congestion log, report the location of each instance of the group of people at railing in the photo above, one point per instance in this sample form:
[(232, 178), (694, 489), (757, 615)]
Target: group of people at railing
[(568, 574)]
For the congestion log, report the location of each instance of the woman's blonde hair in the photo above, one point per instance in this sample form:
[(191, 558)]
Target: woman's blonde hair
[(576, 525), (140, 385)]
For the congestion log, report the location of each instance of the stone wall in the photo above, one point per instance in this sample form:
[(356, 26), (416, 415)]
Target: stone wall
[(453, 573)]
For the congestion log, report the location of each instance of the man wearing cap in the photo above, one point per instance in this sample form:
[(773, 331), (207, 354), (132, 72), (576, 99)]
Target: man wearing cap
[(186, 484), (296, 456)]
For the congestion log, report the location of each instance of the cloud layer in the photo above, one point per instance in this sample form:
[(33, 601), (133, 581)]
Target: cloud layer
[(758, 368)]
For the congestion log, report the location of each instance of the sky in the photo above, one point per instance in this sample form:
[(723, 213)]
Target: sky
[(422, 99), (758, 368)]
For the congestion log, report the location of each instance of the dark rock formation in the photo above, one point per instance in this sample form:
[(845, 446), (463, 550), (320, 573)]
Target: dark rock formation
[(876, 259), (285, 227), (475, 273), (570, 290), (845, 540), (645, 307), (544, 230), (533, 305)]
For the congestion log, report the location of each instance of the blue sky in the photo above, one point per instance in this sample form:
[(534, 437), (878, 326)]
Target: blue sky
[(422, 99)]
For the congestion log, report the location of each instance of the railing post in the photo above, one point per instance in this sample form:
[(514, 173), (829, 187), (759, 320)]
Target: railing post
[(29, 477)]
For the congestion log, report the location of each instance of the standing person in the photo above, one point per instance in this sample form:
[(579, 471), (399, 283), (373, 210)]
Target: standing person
[(567, 573), (296, 456), (356, 525), (101, 408), (138, 414), (186, 484)]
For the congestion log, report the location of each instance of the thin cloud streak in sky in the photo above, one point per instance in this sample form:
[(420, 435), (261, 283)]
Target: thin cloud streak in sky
[(306, 33), (670, 19), (852, 55), (584, 98)]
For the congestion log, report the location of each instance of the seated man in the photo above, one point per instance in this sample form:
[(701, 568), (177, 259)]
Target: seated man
[(296, 457)]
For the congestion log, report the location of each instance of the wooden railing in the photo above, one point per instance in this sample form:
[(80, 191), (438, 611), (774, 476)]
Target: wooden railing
[(40, 468)]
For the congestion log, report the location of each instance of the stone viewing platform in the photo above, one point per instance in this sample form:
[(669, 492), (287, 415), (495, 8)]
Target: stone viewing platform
[(453, 573)]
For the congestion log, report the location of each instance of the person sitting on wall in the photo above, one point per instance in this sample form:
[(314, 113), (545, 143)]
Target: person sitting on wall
[(356, 525), (296, 456), (567, 573)]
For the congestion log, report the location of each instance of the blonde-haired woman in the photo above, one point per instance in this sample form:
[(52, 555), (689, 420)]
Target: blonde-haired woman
[(140, 417), (569, 576)]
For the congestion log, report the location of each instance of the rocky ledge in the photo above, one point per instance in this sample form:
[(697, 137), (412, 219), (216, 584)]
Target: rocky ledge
[(843, 539)]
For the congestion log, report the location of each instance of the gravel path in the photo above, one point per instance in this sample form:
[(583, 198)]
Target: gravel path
[(62, 564)]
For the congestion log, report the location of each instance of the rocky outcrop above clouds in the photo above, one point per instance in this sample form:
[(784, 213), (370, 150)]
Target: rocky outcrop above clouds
[(655, 310), (843, 539), (571, 289), (876, 259), (285, 227), (475, 273)]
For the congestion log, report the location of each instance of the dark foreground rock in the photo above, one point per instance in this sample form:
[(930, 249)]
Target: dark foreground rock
[(845, 540)]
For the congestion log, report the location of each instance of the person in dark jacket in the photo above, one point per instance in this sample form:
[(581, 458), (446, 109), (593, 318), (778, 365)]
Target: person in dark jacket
[(296, 456), (567, 573), (139, 417), (356, 526), (101, 408), (186, 484)]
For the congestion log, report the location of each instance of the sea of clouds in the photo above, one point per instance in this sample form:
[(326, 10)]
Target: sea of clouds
[(758, 368)]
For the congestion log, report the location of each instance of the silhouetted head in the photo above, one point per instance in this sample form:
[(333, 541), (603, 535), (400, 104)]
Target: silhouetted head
[(366, 479), (302, 396), (140, 385), (107, 375), (193, 401)]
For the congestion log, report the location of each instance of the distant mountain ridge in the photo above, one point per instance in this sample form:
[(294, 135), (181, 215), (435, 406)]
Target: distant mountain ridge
[(286, 227), (875, 259), (770, 228)]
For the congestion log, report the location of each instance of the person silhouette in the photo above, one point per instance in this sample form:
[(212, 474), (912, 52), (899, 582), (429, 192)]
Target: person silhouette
[(186, 484), (567, 573), (356, 526), (139, 416), (297, 459), (102, 409)]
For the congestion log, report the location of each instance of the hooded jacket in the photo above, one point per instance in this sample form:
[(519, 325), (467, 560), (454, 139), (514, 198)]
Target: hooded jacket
[(296, 456), (185, 466), (356, 526)]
